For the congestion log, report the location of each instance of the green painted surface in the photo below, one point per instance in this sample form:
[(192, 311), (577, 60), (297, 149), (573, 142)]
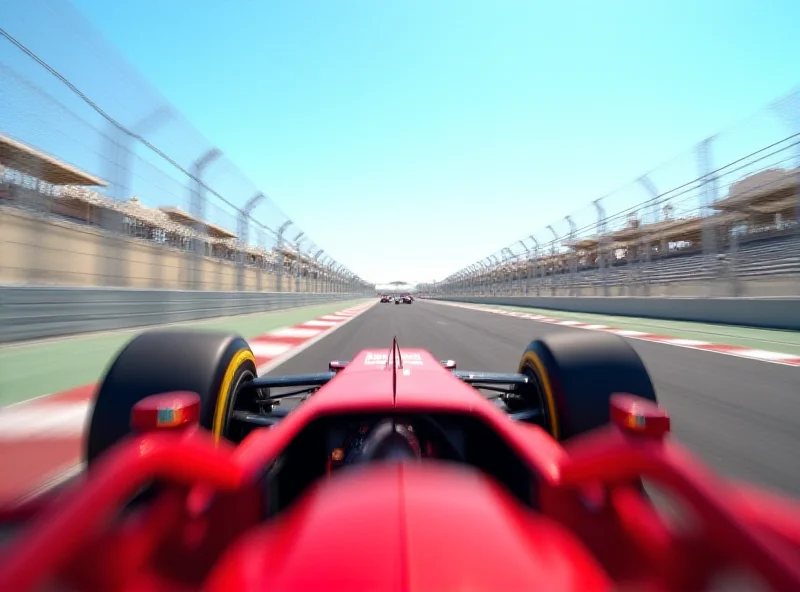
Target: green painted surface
[(30, 370), (767, 339)]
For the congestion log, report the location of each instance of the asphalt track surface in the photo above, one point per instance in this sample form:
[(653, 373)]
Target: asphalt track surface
[(741, 416)]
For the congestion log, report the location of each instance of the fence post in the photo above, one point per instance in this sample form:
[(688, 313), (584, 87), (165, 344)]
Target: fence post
[(198, 212), (279, 247), (260, 277), (505, 256), (601, 240), (119, 150), (316, 269), (553, 280), (646, 182), (297, 267), (494, 273), (524, 291), (573, 260), (534, 263), (118, 146), (788, 110), (708, 197), (244, 232)]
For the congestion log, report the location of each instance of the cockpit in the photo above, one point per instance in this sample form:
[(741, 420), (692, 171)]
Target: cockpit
[(340, 443), (387, 439)]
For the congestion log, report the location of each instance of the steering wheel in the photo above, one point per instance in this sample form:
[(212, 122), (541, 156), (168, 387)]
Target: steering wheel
[(389, 439)]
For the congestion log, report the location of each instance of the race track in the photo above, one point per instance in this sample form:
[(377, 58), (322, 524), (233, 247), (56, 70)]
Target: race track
[(741, 416)]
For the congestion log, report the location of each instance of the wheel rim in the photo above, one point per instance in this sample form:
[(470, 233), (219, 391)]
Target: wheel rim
[(236, 404), (536, 398)]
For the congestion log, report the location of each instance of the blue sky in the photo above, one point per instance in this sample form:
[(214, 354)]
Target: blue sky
[(411, 138)]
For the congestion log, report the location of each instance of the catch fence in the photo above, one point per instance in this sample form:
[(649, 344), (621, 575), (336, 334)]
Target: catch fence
[(719, 220), (104, 183)]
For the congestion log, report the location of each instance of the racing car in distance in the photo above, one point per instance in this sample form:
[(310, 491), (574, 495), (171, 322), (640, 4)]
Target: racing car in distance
[(393, 471), (385, 298)]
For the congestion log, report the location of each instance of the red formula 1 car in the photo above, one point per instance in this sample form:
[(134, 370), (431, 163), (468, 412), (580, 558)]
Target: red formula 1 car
[(394, 473)]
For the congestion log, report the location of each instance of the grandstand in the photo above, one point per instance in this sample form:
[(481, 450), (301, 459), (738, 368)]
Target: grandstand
[(25, 161), (32, 179), (39, 183), (751, 233)]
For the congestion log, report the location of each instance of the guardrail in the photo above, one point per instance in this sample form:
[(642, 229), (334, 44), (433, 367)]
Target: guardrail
[(770, 313), (38, 313)]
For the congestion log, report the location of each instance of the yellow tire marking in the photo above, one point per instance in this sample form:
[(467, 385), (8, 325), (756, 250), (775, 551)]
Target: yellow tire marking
[(533, 359), (240, 358)]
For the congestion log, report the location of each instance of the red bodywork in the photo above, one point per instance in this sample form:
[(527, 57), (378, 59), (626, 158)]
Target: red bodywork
[(398, 527)]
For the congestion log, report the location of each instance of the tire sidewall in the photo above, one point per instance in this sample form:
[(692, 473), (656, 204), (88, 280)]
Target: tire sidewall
[(165, 361), (582, 373)]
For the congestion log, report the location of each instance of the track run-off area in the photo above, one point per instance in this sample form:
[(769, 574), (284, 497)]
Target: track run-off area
[(738, 409)]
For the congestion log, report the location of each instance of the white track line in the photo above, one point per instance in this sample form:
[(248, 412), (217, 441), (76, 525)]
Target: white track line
[(765, 355), (758, 355), (294, 332), (685, 342), (320, 323), (52, 422), (272, 364), (268, 349)]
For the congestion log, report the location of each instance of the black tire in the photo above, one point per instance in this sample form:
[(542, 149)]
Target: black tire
[(574, 375), (207, 363)]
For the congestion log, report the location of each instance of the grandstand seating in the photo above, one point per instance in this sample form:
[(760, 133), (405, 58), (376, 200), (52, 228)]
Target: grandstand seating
[(168, 227), (762, 255), (768, 249)]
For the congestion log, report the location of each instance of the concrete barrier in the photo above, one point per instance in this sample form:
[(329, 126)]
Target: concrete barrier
[(38, 313), (39, 250), (772, 313)]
